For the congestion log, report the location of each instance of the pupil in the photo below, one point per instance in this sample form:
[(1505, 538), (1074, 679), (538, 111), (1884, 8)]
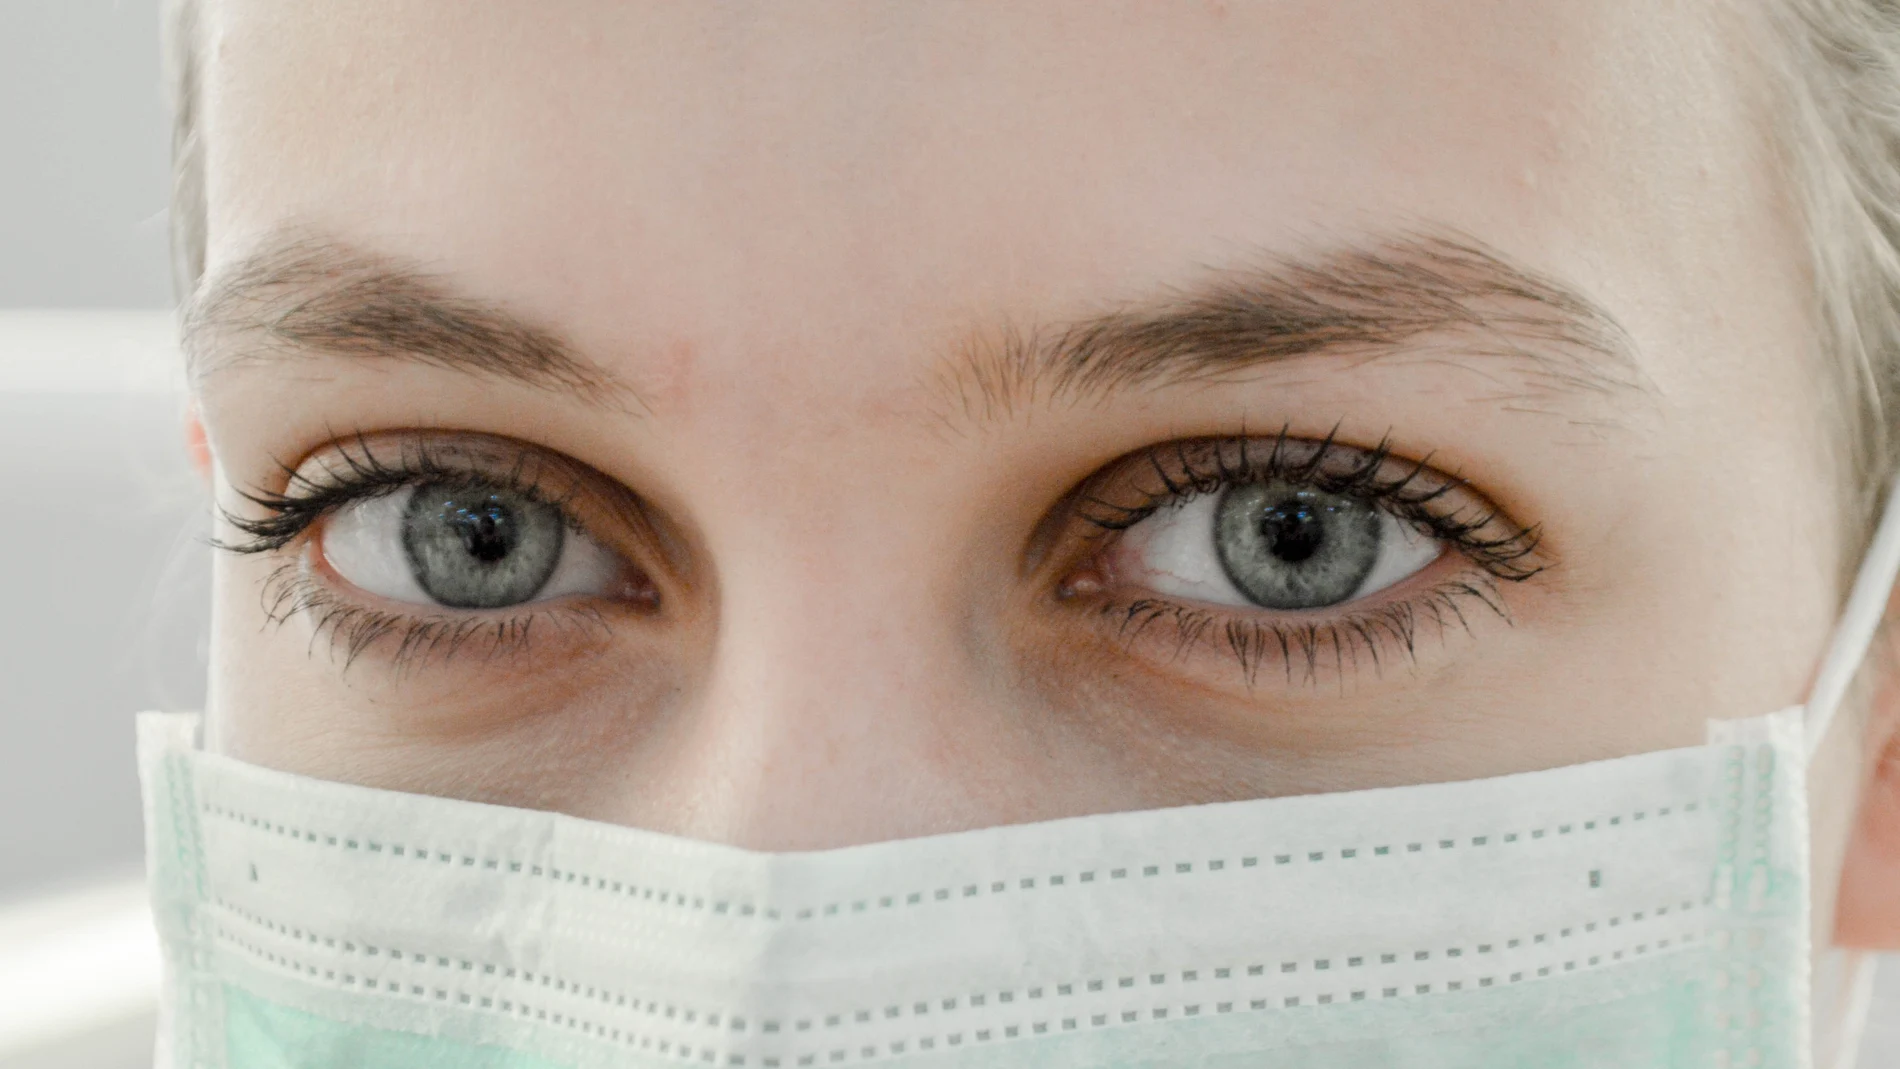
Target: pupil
[(1293, 530), (1287, 547), (488, 531), (477, 548)]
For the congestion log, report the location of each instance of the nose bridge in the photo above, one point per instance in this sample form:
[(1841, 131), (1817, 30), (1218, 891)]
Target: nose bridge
[(837, 629), (838, 680)]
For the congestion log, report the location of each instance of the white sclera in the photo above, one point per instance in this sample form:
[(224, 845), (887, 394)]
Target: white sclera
[(1172, 553), (363, 543)]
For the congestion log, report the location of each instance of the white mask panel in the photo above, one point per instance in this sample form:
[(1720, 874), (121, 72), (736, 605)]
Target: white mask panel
[(1591, 912)]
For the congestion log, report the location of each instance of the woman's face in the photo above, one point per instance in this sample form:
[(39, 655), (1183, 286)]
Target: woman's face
[(806, 425)]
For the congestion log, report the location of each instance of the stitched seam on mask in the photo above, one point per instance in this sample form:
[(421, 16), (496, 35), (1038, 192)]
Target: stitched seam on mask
[(938, 1006), (874, 903), (456, 996), (1745, 861), (682, 1049)]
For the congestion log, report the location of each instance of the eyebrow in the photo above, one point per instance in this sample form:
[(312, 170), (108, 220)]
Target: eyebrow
[(1368, 299), (301, 295)]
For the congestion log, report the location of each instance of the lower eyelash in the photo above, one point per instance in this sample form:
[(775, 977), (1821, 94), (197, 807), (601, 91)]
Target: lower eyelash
[(351, 630), (1306, 649)]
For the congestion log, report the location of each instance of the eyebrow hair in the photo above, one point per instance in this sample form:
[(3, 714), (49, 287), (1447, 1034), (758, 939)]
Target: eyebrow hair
[(302, 295), (1362, 300)]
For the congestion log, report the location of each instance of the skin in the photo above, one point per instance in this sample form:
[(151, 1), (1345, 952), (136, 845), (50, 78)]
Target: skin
[(780, 227)]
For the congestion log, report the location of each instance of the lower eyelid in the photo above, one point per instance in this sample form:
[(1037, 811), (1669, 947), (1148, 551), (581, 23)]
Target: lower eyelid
[(354, 632), (1304, 648)]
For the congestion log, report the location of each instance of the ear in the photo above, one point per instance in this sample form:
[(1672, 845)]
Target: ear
[(1867, 914), (197, 446)]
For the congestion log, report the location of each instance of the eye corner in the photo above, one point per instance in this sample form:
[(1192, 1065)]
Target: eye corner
[(1506, 550)]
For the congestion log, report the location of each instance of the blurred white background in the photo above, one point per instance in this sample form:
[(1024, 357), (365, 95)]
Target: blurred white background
[(103, 576), (102, 561)]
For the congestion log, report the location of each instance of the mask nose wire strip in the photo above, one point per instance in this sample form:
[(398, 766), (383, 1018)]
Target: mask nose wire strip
[(1866, 606)]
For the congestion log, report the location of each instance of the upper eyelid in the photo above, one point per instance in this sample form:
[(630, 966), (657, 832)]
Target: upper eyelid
[(1300, 460), (351, 470), (1477, 527)]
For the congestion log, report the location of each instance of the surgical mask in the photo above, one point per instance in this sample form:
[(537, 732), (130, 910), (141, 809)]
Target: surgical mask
[(1645, 911)]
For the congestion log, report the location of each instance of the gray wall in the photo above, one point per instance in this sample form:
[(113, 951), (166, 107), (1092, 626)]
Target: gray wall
[(106, 607), (101, 588), (84, 155)]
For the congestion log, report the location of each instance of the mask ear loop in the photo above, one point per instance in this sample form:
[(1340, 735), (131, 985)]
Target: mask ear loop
[(1860, 620), (1851, 1023)]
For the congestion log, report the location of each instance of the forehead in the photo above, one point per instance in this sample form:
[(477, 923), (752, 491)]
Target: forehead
[(843, 180)]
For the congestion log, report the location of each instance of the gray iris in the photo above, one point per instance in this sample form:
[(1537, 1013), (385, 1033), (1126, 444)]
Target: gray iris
[(1289, 547), (480, 548)]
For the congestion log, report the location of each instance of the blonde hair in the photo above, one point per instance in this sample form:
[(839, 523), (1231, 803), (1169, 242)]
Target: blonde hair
[(1838, 136), (1840, 142), (179, 38)]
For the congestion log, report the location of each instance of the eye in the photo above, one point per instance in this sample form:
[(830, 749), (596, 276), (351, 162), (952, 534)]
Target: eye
[(465, 544), (1276, 549), (1271, 545)]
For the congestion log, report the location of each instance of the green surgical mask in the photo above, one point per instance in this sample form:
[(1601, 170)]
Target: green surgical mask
[(1647, 911)]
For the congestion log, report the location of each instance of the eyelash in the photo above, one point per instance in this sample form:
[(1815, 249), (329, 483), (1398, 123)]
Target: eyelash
[(1205, 466), (290, 589), (352, 629), (1415, 494), (1181, 470), (305, 501)]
